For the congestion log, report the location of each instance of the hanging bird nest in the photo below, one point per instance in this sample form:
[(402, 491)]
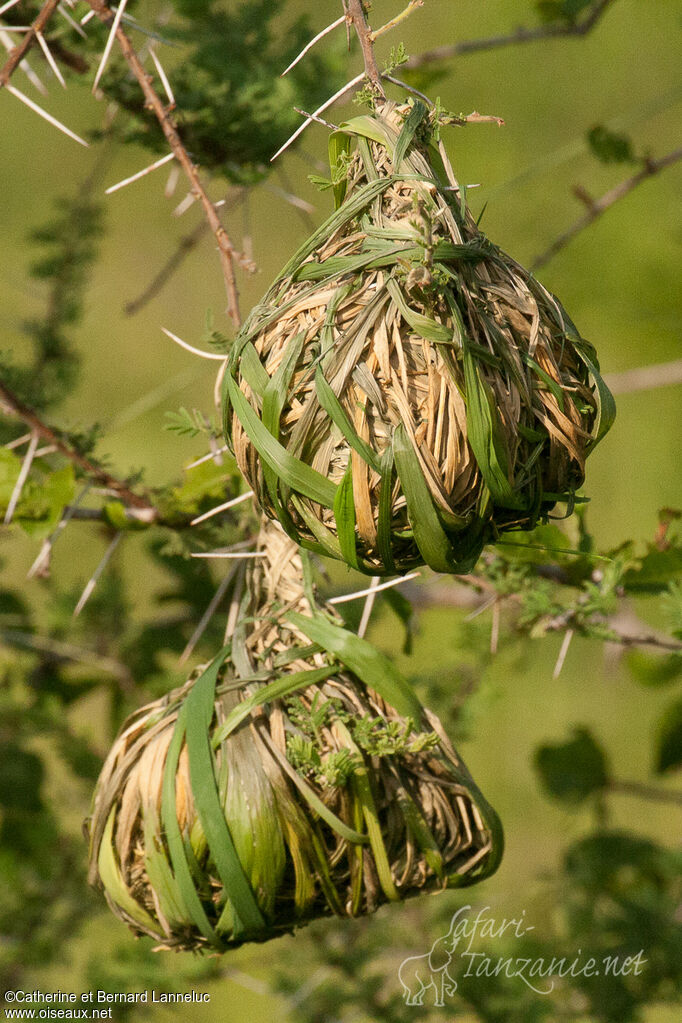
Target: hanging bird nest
[(406, 391), (294, 777)]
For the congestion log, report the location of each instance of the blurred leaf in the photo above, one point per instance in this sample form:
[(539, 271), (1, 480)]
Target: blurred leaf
[(610, 147), (41, 505), (573, 770), (656, 570), (654, 671), (21, 775), (669, 739)]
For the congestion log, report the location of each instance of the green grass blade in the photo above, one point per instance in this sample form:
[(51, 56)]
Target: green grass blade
[(344, 514), (200, 708), (429, 535), (369, 664), (296, 474), (332, 406), (176, 846)]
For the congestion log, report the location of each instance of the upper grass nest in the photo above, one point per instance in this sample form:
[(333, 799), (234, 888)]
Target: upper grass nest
[(406, 391)]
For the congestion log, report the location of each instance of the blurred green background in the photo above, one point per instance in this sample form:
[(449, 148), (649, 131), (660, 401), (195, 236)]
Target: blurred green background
[(620, 282)]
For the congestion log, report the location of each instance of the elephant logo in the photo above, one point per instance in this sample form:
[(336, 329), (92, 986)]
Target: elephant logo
[(419, 973)]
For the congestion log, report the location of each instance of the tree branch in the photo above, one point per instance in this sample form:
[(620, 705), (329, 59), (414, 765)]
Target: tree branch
[(94, 472), (227, 251), (644, 791), (645, 378), (356, 14), (596, 207), (20, 51), (521, 35)]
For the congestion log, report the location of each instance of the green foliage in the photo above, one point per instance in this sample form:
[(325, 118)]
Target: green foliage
[(610, 146), (573, 770), (235, 109), (563, 10), (669, 740)]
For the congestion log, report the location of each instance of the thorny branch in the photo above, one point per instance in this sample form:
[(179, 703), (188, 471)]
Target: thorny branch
[(146, 511), (520, 35), (595, 207), (20, 51), (356, 13), (228, 254)]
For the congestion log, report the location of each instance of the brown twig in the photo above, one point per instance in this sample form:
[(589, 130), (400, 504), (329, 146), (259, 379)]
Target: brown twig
[(93, 472), (356, 14), (645, 378), (228, 254), (644, 791), (597, 207), (520, 35), (19, 52), (177, 258)]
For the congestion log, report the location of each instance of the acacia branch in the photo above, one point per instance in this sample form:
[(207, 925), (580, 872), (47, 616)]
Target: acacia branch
[(19, 52), (93, 471), (520, 35), (596, 207), (227, 251), (356, 14), (644, 791)]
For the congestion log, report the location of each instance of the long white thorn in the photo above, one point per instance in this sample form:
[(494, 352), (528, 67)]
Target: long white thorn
[(47, 117), (320, 110), (183, 206), (162, 75), (7, 6), (140, 174), (568, 636), (207, 615), (23, 64), (373, 589), (110, 42), (21, 478), (208, 457), (50, 59), (17, 442), (369, 605), (309, 46), (74, 24), (229, 555), (87, 17), (43, 558), (92, 582), (191, 348), (221, 508)]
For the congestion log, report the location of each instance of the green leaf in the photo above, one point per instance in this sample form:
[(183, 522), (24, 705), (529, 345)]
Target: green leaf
[(414, 119), (339, 144), (609, 146), (296, 474), (485, 434), (573, 770), (332, 406), (248, 918), (429, 535), (369, 664), (656, 570), (344, 515), (669, 739)]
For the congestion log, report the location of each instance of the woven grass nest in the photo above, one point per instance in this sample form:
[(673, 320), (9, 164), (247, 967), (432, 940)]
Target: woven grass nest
[(275, 786), (406, 391)]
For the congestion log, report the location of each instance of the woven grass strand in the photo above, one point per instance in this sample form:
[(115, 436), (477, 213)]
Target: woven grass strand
[(404, 359), (333, 801)]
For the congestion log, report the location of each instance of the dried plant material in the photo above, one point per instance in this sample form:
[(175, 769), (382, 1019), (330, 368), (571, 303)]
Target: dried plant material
[(296, 777), (406, 391)]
